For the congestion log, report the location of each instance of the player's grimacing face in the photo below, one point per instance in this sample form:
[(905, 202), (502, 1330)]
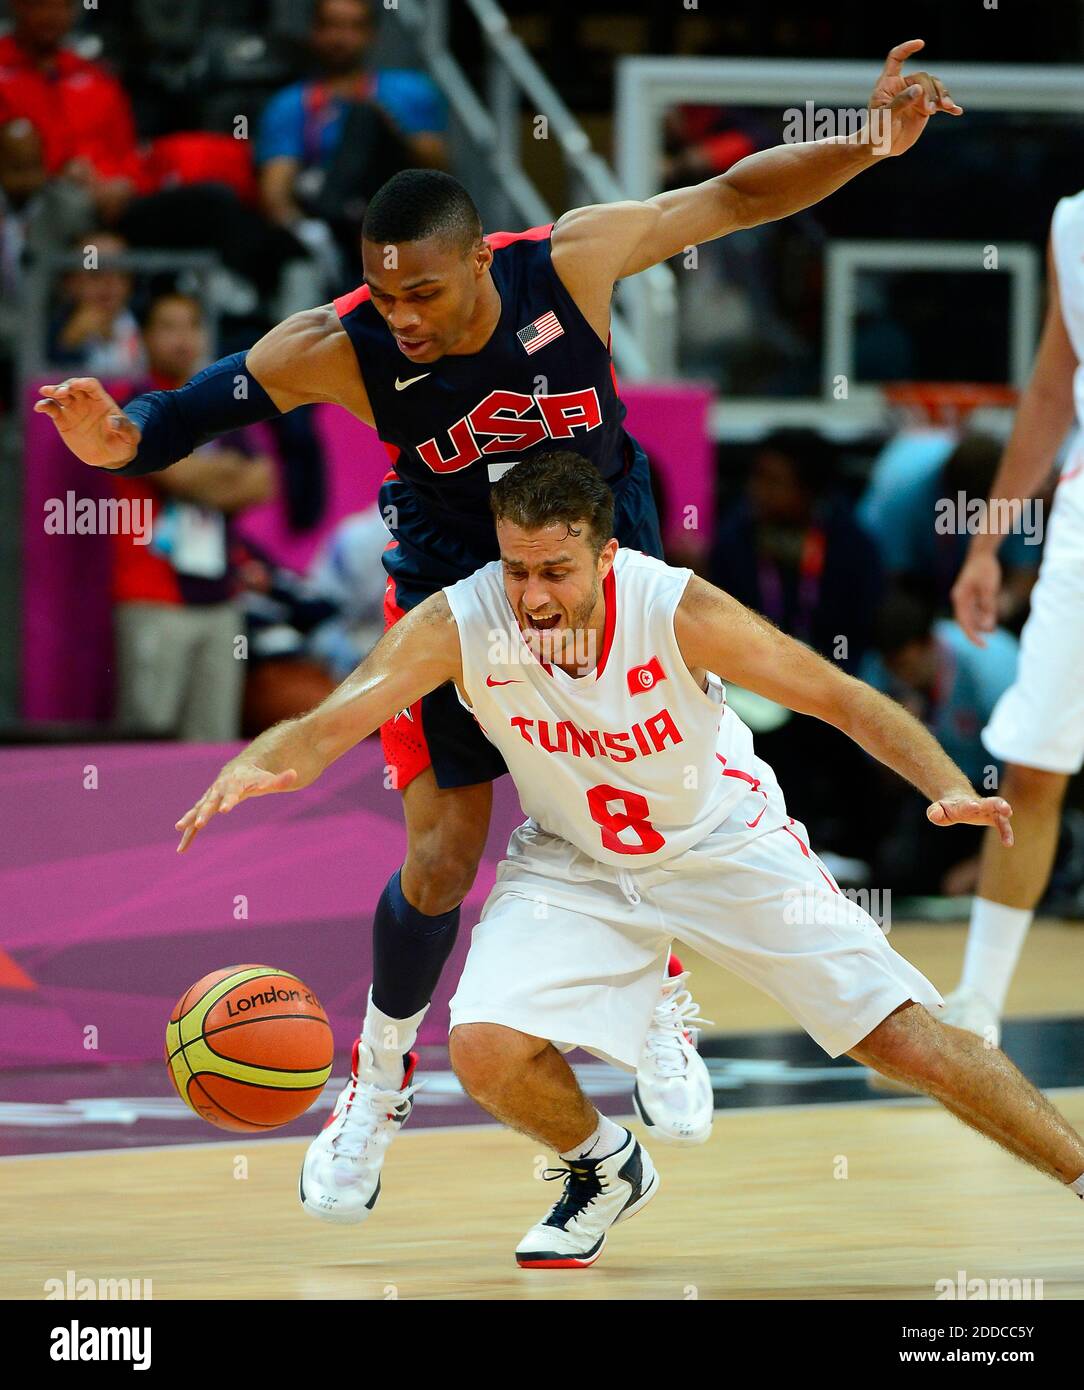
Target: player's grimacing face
[(553, 580), (426, 292)]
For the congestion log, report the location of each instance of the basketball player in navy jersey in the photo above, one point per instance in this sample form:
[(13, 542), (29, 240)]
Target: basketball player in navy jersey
[(468, 354)]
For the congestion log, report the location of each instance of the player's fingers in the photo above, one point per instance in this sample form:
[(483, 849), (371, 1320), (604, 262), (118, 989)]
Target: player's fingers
[(1004, 830), (899, 55), (908, 97), (929, 99), (944, 97), (53, 409), (186, 839), (208, 807)]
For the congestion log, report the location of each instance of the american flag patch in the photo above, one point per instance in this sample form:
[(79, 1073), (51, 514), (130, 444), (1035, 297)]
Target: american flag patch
[(544, 329)]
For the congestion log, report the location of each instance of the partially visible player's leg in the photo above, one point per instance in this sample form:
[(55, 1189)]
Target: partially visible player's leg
[(781, 923), (1011, 883), (978, 1084), (524, 1082), (560, 959), (1037, 731), (414, 929)]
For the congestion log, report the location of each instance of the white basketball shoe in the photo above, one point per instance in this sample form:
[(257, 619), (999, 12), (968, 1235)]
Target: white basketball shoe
[(340, 1178), (673, 1094), (598, 1193), (974, 1013)]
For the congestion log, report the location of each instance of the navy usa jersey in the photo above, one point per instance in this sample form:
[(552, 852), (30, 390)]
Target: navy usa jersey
[(544, 380)]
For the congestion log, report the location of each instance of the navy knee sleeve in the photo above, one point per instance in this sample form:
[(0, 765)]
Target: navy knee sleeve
[(409, 951)]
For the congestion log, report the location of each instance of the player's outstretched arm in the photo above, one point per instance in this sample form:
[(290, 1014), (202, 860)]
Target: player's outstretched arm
[(625, 238), (717, 633), (303, 360), (415, 656)]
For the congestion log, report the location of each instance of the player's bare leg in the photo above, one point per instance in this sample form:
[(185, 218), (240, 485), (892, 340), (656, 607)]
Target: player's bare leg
[(415, 929), (524, 1082), (979, 1085), (1010, 887)]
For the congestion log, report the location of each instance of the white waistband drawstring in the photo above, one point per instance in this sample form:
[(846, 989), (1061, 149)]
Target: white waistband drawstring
[(627, 884)]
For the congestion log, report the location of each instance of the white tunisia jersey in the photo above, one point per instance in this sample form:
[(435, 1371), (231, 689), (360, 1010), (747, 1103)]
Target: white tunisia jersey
[(632, 763), (1067, 241)]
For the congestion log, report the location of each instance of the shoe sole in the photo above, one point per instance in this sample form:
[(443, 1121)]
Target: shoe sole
[(657, 1132), (586, 1261)]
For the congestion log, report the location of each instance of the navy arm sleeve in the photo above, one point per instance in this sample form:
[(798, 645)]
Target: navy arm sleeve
[(224, 396)]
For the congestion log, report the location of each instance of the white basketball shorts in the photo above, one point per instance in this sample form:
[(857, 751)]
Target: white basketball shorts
[(573, 951), (1039, 721)]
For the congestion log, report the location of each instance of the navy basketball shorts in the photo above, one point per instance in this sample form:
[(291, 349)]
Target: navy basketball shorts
[(437, 731)]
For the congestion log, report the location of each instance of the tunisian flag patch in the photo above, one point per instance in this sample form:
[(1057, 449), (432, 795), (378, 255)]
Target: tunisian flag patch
[(645, 677)]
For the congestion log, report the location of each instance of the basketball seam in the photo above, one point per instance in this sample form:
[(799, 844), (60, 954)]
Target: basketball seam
[(292, 1071), (254, 1124)]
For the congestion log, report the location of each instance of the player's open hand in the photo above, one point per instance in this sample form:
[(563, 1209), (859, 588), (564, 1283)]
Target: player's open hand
[(975, 596), (909, 101), (90, 422), (235, 783), (974, 810)]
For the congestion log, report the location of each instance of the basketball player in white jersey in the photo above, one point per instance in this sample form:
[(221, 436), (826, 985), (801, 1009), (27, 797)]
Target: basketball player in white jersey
[(650, 816), (1037, 727)]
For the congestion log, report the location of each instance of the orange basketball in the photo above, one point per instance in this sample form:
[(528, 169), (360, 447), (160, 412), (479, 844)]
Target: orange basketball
[(249, 1048)]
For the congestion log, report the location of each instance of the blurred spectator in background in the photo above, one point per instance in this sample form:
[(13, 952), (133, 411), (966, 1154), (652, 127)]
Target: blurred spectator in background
[(186, 192), (931, 668), (177, 617), (920, 478), (96, 333), (699, 141), (325, 146), (347, 573), (790, 547), (37, 215), (81, 111), (284, 678)]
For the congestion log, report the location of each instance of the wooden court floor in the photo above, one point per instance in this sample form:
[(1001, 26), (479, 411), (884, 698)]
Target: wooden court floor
[(880, 1200)]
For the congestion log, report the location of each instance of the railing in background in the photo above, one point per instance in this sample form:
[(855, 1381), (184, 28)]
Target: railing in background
[(491, 126), (648, 86)]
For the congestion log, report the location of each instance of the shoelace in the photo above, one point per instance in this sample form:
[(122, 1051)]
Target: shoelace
[(674, 1016), (582, 1185), (369, 1115)]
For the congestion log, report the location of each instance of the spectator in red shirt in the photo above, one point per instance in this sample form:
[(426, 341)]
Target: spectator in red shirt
[(176, 610), (82, 112)]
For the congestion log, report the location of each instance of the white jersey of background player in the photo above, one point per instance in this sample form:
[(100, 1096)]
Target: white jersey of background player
[(570, 943), (1037, 727)]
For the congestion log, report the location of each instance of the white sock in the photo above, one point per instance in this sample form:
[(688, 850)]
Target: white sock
[(389, 1038), (993, 948), (1078, 1186), (605, 1140)]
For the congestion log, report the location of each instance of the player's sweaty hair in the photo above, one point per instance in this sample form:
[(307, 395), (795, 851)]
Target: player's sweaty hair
[(556, 487), (419, 203)]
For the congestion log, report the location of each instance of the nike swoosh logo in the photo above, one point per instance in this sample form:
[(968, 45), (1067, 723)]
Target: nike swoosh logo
[(491, 681), (402, 385)]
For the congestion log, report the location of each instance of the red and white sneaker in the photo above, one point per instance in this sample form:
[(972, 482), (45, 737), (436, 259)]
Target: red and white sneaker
[(340, 1178), (598, 1193), (673, 1094)]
